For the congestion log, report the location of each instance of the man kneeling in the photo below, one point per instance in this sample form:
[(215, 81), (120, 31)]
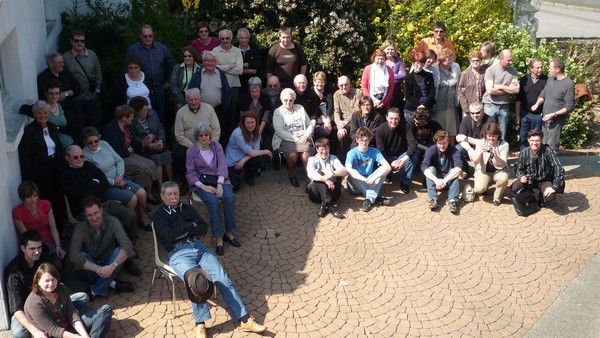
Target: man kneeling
[(179, 229)]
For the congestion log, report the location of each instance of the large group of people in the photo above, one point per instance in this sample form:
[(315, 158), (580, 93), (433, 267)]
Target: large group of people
[(211, 122)]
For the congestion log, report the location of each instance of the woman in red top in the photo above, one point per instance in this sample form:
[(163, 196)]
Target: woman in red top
[(36, 214), (204, 42)]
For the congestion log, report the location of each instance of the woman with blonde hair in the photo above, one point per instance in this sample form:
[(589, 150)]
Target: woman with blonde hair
[(399, 70)]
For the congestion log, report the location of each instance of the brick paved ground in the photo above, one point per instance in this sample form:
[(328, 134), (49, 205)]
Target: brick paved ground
[(396, 271)]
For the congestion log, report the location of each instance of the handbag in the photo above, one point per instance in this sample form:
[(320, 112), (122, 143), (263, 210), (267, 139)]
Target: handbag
[(526, 201), (208, 179)]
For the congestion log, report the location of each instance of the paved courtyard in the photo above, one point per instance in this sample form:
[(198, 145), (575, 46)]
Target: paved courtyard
[(397, 271)]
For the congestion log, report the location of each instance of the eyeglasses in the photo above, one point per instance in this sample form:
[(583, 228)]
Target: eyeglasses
[(225, 38), (343, 85), (133, 67), (53, 93), (204, 135), (147, 36), (79, 40), (203, 31), (76, 157), (438, 30), (273, 86), (93, 141), (476, 113)]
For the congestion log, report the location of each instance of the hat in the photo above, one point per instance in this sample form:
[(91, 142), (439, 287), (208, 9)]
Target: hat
[(198, 284)]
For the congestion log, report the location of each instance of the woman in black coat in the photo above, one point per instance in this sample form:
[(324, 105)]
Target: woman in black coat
[(40, 157)]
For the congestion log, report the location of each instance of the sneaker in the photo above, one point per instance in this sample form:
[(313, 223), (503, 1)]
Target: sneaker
[(469, 195), (335, 212), (323, 211), (366, 206), (381, 200), (433, 204), (251, 326), (453, 206), (200, 331)]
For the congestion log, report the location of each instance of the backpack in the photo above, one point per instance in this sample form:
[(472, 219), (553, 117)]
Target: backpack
[(526, 201)]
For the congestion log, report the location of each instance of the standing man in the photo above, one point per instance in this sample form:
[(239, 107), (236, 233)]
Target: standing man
[(230, 61), (345, 103), (530, 88), (286, 59), (366, 168), (69, 87), (437, 42), (397, 143), (558, 99), (179, 229), (84, 64), (157, 64), (441, 166), (99, 247), (501, 84), (18, 280), (254, 58), (214, 86)]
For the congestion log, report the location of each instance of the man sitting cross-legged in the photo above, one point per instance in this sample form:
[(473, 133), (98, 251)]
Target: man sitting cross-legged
[(179, 229)]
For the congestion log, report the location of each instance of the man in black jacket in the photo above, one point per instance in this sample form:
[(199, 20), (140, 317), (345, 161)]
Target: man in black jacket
[(397, 143), (179, 229)]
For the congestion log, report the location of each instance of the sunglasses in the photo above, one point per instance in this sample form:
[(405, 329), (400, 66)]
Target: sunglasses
[(77, 157), (147, 36), (79, 40), (93, 141), (439, 31), (225, 38), (477, 113)]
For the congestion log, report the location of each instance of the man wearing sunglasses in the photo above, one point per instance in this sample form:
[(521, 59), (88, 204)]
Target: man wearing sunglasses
[(469, 133), (437, 42)]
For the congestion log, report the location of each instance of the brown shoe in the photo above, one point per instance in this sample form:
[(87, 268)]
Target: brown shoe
[(251, 326), (200, 331)]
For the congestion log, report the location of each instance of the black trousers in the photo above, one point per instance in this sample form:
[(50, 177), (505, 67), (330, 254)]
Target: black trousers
[(318, 192), (250, 170)]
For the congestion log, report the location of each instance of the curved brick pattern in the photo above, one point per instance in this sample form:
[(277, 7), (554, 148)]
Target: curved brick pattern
[(396, 271)]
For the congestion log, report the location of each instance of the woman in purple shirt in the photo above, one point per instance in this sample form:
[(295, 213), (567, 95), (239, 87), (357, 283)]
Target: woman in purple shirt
[(208, 178), (399, 68)]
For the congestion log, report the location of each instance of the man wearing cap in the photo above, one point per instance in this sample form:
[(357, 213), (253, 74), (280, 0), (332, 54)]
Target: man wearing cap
[(179, 229)]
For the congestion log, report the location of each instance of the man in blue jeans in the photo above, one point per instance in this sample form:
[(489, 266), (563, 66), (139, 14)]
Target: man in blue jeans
[(99, 247), (179, 229), (442, 166), (530, 88), (18, 280), (366, 169)]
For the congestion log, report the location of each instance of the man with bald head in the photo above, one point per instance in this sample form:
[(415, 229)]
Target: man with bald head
[(501, 85), (230, 61), (273, 90), (345, 102)]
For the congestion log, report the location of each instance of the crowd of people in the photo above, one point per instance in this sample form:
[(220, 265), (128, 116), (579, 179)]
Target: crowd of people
[(214, 120)]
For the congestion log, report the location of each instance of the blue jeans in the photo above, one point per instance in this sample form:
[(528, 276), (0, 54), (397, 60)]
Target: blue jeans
[(528, 122), (500, 113), (407, 170), (360, 187), (96, 321), (212, 204), (453, 187), (100, 285), (188, 255)]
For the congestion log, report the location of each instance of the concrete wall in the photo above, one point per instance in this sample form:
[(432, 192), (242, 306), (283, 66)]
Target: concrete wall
[(28, 31)]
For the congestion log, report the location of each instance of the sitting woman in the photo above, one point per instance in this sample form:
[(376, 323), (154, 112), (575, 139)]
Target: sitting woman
[(325, 172), (182, 74), (243, 154), (208, 178), (57, 114), (121, 189), (490, 160), (131, 84), (50, 309), (36, 214), (366, 118), (121, 138), (293, 132), (149, 139)]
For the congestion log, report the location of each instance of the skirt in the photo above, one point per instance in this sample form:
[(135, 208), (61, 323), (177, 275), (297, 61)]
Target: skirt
[(288, 147), (140, 169)]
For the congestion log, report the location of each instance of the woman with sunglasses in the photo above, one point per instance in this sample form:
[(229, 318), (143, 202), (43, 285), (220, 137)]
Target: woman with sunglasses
[(182, 74), (131, 84), (121, 189), (204, 42)]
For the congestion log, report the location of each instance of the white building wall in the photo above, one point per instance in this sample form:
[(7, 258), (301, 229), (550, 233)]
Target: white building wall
[(28, 31)]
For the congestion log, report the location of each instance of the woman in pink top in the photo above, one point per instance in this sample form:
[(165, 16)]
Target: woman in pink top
[(377, 82), (204, 42), (36, 214)]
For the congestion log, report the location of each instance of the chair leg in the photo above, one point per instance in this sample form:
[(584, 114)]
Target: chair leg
[(173, 299), (152, 283)]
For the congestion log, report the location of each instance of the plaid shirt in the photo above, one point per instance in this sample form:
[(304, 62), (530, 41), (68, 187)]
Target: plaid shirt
[(544, 168)]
